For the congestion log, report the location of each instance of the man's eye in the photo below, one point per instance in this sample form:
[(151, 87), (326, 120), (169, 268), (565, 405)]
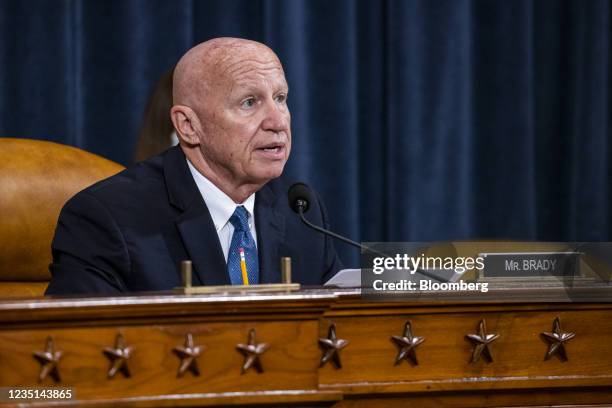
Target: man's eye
[(281, 98), (248, 103)]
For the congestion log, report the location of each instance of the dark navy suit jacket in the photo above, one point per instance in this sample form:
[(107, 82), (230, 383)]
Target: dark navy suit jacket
[(131, 231)]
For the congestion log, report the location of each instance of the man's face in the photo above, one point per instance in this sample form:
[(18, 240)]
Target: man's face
[(245, 119)]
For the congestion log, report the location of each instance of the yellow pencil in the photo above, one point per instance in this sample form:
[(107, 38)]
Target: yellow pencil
[(245, 277)]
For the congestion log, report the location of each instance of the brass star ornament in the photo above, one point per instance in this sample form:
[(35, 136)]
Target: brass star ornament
[(49, 360), (331, 347), (481, 341), (118, 356), (252, 352), (556, 341), (407, 345), (188, 353)]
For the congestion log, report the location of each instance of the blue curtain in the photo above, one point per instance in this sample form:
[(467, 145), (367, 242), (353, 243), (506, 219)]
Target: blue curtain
[(414, 119)]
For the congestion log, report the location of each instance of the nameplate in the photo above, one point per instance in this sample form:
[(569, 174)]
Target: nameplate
[(531, 265)]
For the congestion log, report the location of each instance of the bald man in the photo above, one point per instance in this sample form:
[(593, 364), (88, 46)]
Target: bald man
[(217, 199)]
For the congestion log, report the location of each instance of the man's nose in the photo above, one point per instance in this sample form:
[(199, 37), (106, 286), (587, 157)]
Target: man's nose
[(277, 117)]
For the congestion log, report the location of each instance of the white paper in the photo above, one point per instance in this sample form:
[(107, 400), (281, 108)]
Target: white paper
[(346, 278)]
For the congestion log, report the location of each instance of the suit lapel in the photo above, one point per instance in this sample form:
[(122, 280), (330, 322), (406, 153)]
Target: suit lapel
[(202, 244), (195, 224), (270, 235)]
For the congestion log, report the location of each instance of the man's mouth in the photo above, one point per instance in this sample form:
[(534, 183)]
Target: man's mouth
[(273, 150)]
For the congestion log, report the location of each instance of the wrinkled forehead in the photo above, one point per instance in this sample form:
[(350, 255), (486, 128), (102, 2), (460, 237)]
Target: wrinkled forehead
[(217, 67), (246, 64)]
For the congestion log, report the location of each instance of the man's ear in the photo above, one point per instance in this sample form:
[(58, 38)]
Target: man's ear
[(185, 122)]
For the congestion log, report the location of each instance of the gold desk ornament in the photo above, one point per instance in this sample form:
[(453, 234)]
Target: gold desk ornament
[(186, 273), (285, 286), (286, 269)]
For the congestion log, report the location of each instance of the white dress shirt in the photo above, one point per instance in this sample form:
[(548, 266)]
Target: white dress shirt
[(221, 208)]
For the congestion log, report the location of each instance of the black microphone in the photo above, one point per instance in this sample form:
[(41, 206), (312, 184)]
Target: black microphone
[(299, 200)]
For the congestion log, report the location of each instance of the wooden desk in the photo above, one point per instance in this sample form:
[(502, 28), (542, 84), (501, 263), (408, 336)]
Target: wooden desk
[(291, 324)]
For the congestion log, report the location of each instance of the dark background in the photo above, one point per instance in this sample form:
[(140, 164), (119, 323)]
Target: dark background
[(415, 120)]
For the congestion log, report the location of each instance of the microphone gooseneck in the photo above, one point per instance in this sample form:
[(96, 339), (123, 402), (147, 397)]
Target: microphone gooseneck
[(299, 201), (333, 234)]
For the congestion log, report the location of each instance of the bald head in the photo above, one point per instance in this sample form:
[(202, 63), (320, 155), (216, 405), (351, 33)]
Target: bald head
[(208, 62), (231, 115)]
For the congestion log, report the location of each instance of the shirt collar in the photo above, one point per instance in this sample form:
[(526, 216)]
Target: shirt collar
[(220, 205)]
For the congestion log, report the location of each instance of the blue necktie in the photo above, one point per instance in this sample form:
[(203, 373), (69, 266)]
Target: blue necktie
[(242, 239)]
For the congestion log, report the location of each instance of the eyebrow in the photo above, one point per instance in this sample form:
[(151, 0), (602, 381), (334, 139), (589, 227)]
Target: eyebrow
[(248, 86)]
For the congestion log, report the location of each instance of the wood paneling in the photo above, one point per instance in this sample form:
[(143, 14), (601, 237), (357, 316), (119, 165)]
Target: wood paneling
[(292, 323), (444, 356)]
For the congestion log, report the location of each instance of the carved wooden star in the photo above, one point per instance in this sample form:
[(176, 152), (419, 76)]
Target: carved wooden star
[(251, 352), (49, 360), (118, 356), (188, 355), (556, 340), (481, 342), (331, 347), (407, 344)]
